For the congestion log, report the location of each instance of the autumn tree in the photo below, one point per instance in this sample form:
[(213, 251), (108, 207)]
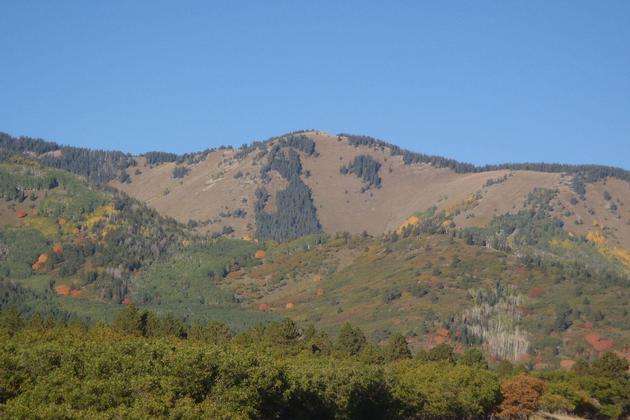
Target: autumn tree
[(521, 396)]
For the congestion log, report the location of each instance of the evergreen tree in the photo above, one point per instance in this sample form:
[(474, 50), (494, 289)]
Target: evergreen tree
[(350, 340), (396, 348), (129, 321)]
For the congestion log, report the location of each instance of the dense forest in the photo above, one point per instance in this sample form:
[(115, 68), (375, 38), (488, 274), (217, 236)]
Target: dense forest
[(295, 214), (143, 365), (98, 166)]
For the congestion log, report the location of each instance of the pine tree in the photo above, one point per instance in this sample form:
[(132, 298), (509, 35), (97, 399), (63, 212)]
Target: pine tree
[(397, 348)]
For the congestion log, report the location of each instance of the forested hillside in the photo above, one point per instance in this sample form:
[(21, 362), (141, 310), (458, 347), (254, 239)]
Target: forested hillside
[(523, 267), (144, 365)]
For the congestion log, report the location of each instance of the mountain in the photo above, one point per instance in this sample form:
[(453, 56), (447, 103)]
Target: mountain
[(529, 261), (360, 184)]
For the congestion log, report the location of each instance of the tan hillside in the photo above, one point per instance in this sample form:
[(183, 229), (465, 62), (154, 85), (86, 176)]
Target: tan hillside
[(223, 183)]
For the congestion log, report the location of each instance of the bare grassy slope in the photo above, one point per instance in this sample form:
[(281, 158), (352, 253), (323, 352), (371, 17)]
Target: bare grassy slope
[(223, 183)]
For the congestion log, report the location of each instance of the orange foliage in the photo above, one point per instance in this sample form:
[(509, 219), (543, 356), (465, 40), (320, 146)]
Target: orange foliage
[(62, 290), (536, 292), (42, 259), (317, 278), (596, 238), (598, 343), (412, 221), (442, 332), (260, 254), (438, 339), (57, 249), (20, 214), (61, 221), (290, 305), (521, 396), (76, 293), (567, 364), (263, 307)]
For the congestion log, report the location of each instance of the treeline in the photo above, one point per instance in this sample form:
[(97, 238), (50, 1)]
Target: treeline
[(19, 183), (586, 173), (98, 166), (295, 214), (299, 142), (366, 168), (159, 367)]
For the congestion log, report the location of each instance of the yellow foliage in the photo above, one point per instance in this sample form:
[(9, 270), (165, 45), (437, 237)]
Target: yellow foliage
[(247, 238), (447, 223), (596, 238), (412, 221), (564, 243), (623, 256), (46, 227), (99, 214)]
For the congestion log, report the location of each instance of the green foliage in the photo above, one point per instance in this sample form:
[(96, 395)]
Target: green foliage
[(96, 165), (439, 353), (350, 341), (396, 348), (443, 390), (585, 173), (366, 168), (296, 214), (68, 370), (299, 142), (180, 172), (473, 357), (24, 246)]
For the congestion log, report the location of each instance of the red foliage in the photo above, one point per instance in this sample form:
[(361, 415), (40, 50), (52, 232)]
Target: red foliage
[(126, 301), (76, 293), (263, 307), (588, 325), (598, 343), (20, 214), (62, 290), (536, 292), (57, 249)]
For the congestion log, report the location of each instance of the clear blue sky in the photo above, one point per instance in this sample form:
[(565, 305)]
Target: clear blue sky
[(479, 81)]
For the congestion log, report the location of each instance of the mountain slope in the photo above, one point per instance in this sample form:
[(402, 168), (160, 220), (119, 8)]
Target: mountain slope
[(529, 261), (225, 183)]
